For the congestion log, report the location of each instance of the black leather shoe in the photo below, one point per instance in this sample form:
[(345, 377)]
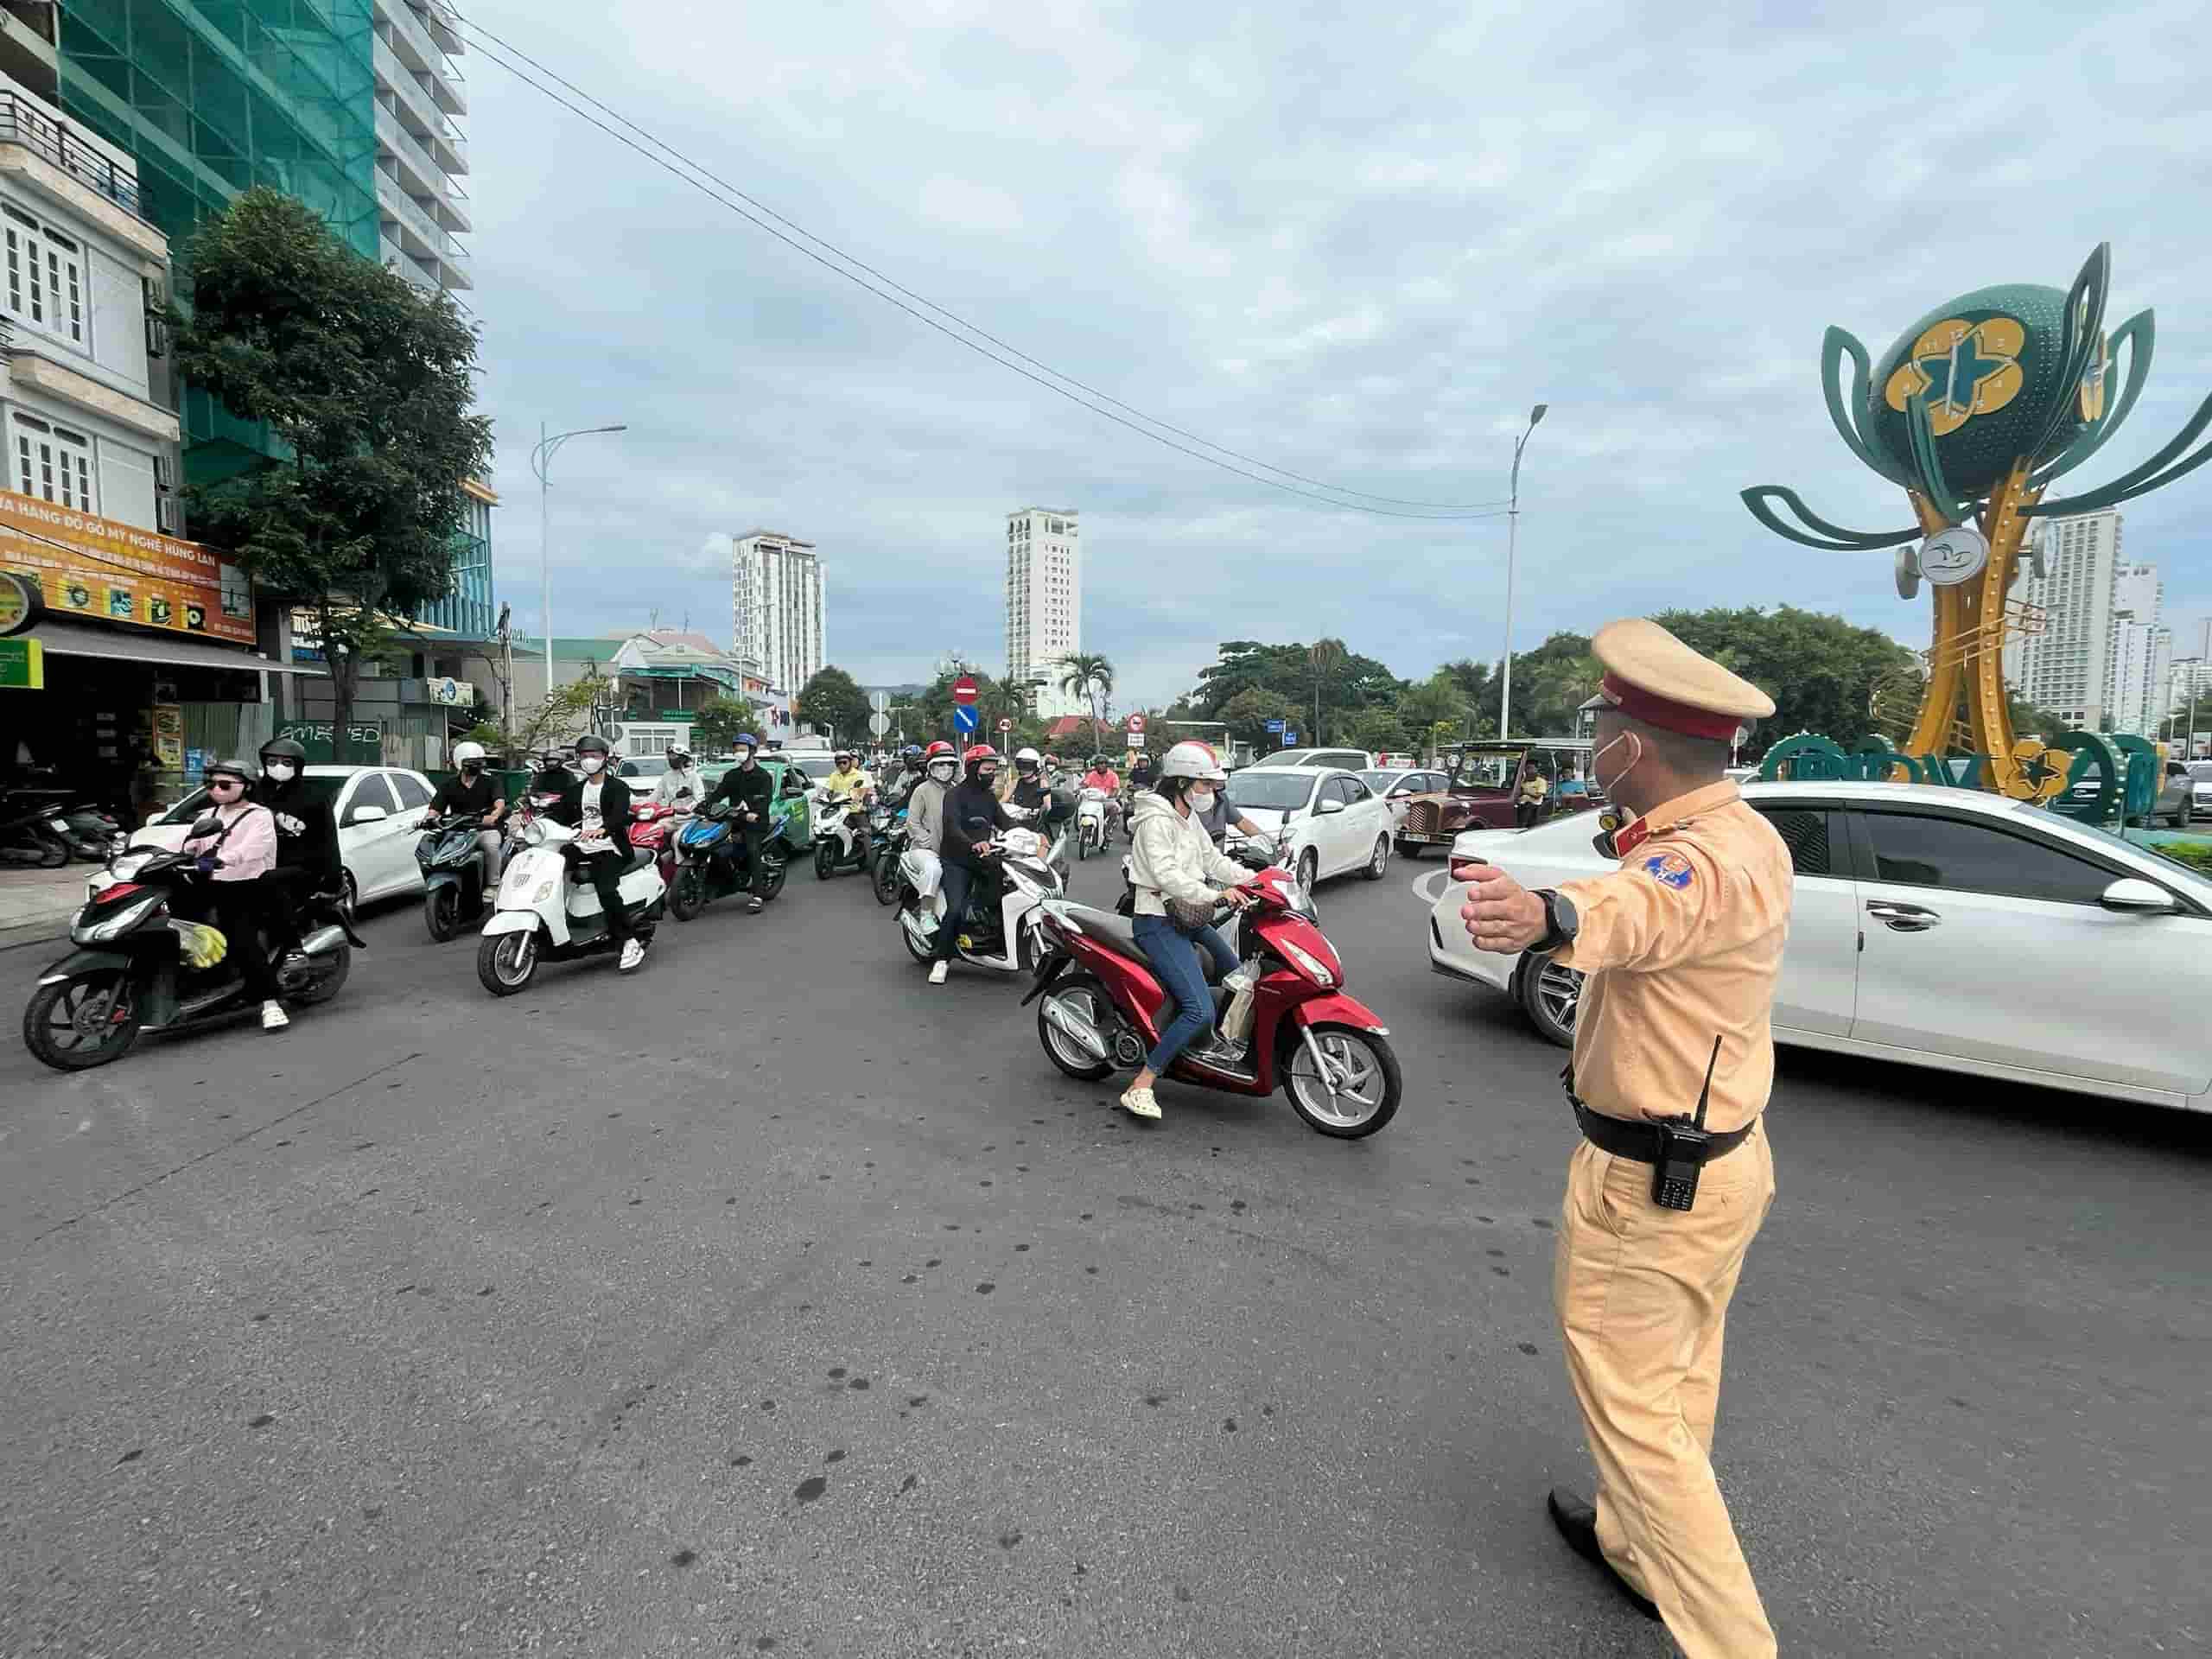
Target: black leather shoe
[(1578, 1523)]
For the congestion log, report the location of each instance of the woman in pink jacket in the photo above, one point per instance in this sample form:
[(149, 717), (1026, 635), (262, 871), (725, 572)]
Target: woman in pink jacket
[(236, 858)]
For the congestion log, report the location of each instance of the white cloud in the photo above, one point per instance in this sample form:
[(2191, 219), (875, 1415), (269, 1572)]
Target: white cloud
[(964, 205)]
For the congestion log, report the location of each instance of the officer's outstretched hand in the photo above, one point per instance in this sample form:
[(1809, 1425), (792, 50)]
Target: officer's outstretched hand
[(1501, 914)]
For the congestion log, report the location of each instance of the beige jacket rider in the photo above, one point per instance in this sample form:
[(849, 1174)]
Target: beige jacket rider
[(1174, 855)]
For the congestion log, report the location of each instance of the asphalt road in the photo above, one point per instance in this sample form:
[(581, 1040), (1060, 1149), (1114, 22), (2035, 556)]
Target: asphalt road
[(768, 1300)]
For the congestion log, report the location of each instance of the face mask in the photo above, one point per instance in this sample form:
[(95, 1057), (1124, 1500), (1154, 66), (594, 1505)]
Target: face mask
[(591, 763), (986, 775), (1609, 785), (281, 771), (1201, 800), (468, 768)]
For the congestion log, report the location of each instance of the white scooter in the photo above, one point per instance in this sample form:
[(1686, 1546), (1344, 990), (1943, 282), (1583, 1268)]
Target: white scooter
[(1032, 875), (840, 828), (547, 910), (1092, 823)]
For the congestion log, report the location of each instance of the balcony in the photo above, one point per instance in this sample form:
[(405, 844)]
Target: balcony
[(420, 235), (397, 258), (23, 122), (445, 25), (428, 113), (419, 173), (412, 44)]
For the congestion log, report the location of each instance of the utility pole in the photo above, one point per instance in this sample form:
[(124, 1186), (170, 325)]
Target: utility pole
[(1512, 532)]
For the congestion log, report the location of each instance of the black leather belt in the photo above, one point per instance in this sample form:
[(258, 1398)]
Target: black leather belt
[(1640, 1140)]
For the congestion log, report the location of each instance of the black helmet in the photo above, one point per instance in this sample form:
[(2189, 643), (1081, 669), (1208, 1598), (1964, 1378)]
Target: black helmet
[(283, 748), (593, 743)]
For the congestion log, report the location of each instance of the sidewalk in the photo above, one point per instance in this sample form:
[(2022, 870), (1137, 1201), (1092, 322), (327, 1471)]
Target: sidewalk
[(36, 905)]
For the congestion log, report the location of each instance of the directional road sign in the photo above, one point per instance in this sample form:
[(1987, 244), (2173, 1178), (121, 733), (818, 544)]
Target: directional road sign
[(1276, 725), (965, 717), (1289, 737)]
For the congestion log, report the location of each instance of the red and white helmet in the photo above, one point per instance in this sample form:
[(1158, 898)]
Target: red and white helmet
[(980, 752), (1192, 759), (939, 750)]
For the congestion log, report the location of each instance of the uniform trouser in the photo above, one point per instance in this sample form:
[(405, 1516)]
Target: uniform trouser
[(1643, 1296), (241, 910), (605, 870)]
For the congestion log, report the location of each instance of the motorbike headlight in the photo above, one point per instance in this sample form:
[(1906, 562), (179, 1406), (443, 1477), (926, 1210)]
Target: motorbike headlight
[(124, 920), (544, 890), (1309, 964)]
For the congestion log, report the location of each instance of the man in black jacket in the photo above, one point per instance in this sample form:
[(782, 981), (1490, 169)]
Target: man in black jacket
[(752, 795), (972, 812), (597, 807), (307, 841)]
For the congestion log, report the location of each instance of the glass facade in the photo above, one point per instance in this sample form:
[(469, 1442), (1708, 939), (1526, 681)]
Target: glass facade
[(212, 97), (468, 613)]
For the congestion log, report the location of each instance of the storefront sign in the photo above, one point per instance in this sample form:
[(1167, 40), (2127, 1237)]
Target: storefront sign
[(22, 665), (169, 736), (20, 603), (106, 571), (452, 694)]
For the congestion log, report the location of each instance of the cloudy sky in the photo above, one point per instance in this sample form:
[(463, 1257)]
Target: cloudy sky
[(1355, 242)]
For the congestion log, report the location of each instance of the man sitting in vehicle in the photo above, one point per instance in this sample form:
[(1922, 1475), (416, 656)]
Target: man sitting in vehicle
[(471, 793), (1103, 777), (680, 786), (850, 779), (750, 790)]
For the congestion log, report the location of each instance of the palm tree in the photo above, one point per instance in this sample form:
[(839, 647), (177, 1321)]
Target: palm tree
[(1327, 656), (1087, 675)]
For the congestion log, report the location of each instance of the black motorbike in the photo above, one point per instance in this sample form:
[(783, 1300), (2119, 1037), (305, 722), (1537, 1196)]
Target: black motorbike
[(711, 864), (32, 829), (131, 973), (454, 893)]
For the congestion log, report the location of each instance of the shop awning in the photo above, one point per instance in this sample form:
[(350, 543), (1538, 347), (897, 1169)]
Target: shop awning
[(70, 639)]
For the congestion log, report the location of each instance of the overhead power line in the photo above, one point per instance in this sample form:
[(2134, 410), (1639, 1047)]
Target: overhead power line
[(676, 163)]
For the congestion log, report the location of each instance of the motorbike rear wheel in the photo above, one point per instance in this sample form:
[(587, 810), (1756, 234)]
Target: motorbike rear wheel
[(326, 985), (506, 963), (886, 877), (689, 896), (53, 849), (1369, 1083), (1086, 998), (920, 952), (774, 867), (54, 1023)]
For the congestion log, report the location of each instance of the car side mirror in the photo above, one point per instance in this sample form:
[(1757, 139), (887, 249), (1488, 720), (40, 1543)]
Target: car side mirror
[(207, 825), (2136, 896), (1327, 807), (1400, 793), (368, 814)]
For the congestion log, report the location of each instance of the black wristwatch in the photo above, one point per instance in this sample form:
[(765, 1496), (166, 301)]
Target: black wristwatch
[(1561, 922)]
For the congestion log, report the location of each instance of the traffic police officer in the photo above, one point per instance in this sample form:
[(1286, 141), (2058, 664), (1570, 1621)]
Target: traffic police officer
[(1673, 1057)]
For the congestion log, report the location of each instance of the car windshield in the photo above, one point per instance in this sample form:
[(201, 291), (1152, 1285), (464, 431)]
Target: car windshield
[(1270, 791), (2199, 772), (1486, 771), (651, 768), (323, 791), (1381, 781)]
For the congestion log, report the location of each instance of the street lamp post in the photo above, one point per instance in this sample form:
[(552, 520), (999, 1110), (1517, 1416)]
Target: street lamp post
[(540, 462), (1512, 527)]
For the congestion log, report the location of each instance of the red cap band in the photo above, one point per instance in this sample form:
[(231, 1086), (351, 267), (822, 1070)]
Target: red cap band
[(1667, 714)]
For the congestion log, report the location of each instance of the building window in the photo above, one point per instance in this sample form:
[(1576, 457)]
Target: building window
[(45, 278), (54, 463)]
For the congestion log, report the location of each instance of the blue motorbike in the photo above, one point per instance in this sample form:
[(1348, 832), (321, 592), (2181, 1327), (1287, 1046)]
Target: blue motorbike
[(710, 863)]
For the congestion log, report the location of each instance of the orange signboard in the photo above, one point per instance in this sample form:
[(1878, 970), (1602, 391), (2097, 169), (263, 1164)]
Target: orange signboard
[(105, 571)]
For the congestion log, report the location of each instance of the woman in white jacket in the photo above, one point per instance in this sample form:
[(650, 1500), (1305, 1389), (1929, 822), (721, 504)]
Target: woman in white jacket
[(1175, 858)]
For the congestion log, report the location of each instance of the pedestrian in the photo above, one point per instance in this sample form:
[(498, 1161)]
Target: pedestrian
[(1673, 1059)]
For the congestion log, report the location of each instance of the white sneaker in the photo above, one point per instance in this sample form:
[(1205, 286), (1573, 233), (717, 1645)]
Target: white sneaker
[(633, 954), (937, 972), (1139, 1103), (273, 1017)]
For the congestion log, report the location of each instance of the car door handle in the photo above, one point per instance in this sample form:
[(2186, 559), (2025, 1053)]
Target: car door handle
[(1903, 918)]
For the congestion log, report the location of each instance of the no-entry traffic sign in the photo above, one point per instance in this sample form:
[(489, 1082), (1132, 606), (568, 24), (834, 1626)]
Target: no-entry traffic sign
[(963, 689)]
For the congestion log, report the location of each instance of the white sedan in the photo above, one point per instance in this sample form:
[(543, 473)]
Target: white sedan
[(379, 810), (1936, 927), (1333, 822)]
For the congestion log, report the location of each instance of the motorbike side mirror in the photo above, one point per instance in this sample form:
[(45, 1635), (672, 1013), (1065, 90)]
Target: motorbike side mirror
[(207, 825)]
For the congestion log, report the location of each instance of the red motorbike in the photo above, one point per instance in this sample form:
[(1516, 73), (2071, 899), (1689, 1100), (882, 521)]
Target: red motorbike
[(1100, 1009), (652, 829)]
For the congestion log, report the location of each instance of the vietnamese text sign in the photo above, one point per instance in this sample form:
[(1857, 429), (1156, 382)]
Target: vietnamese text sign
[(112, 572), (22, 665)]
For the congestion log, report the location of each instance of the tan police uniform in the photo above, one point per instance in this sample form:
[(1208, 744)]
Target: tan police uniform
[(1682, 945)]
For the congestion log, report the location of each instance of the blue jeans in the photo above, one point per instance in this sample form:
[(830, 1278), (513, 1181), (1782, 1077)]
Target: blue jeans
[(1175, 958)]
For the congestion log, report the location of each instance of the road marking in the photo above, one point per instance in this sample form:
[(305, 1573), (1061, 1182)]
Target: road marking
[(1430, 887)]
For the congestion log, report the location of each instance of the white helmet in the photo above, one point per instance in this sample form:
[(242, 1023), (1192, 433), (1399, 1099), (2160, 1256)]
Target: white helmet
[(1192, 759), (1028, 758), (465, 753)]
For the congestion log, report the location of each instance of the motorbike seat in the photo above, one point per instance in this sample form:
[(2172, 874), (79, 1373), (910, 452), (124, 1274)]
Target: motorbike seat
[(1117, 931)]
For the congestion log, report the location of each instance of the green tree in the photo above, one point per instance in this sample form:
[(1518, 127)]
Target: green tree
[(564, 714), (1821, 670), (1437, 705), (1248, 713), (1377, 730), (1091, 676), (1341, 680), (717, 722), (833, 700), (368, 382)]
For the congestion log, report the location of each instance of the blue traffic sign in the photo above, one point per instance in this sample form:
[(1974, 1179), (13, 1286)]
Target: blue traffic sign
[(965, 719), (1274, 725), (1289, 737)]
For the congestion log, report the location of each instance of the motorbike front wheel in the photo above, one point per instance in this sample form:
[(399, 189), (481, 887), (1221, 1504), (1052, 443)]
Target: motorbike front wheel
[(506, 963), (1364, 1096), (64, 1025), (886, 876), (689, 896), (53, 849), (825, 858), (773, 867), (442, 911), (915, 949)]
